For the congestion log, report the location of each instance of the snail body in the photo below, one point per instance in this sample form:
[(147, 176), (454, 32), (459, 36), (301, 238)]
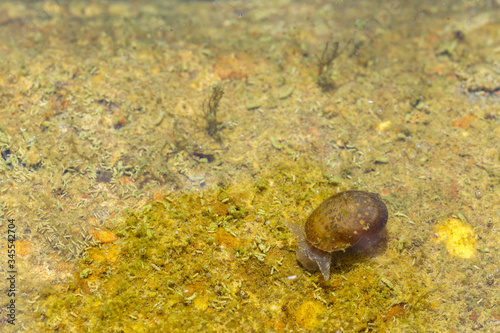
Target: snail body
[(336, 224)]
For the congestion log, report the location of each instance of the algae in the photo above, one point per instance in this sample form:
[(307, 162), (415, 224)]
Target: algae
[(131, 216)]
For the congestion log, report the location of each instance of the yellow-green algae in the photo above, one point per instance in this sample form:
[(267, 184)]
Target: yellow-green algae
[(222, 260)]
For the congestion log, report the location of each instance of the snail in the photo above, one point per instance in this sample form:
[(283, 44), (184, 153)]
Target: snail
[(339, 222)]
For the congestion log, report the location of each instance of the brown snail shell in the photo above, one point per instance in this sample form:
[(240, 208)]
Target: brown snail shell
[(339, 222), (344, 218)]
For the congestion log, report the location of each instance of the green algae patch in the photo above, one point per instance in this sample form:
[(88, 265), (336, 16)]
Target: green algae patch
[(200, 261)]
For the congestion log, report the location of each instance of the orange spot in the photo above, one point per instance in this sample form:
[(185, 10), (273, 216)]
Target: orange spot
[(24, 247), (125, 180), (192, 288), (433, 38), (440, 69), (105, 236), (278, 325), (464, 122), (396, 311), (158, 195), (122, 121), (220, 208), (237, 66), (454, 189), (227, 239), (314, 131)]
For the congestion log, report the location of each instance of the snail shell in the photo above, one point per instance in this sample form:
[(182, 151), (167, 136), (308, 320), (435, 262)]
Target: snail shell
[(339, 222), (344, 218)]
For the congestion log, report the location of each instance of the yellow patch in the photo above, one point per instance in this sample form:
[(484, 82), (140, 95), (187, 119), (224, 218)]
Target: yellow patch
[(458, 237), (104, 254), (384, 125), (307, 313), (200, 303)]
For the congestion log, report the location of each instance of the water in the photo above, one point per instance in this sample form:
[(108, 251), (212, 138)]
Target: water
[(111, 131)]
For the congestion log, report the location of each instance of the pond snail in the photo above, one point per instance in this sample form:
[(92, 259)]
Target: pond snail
[(339, 222)]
